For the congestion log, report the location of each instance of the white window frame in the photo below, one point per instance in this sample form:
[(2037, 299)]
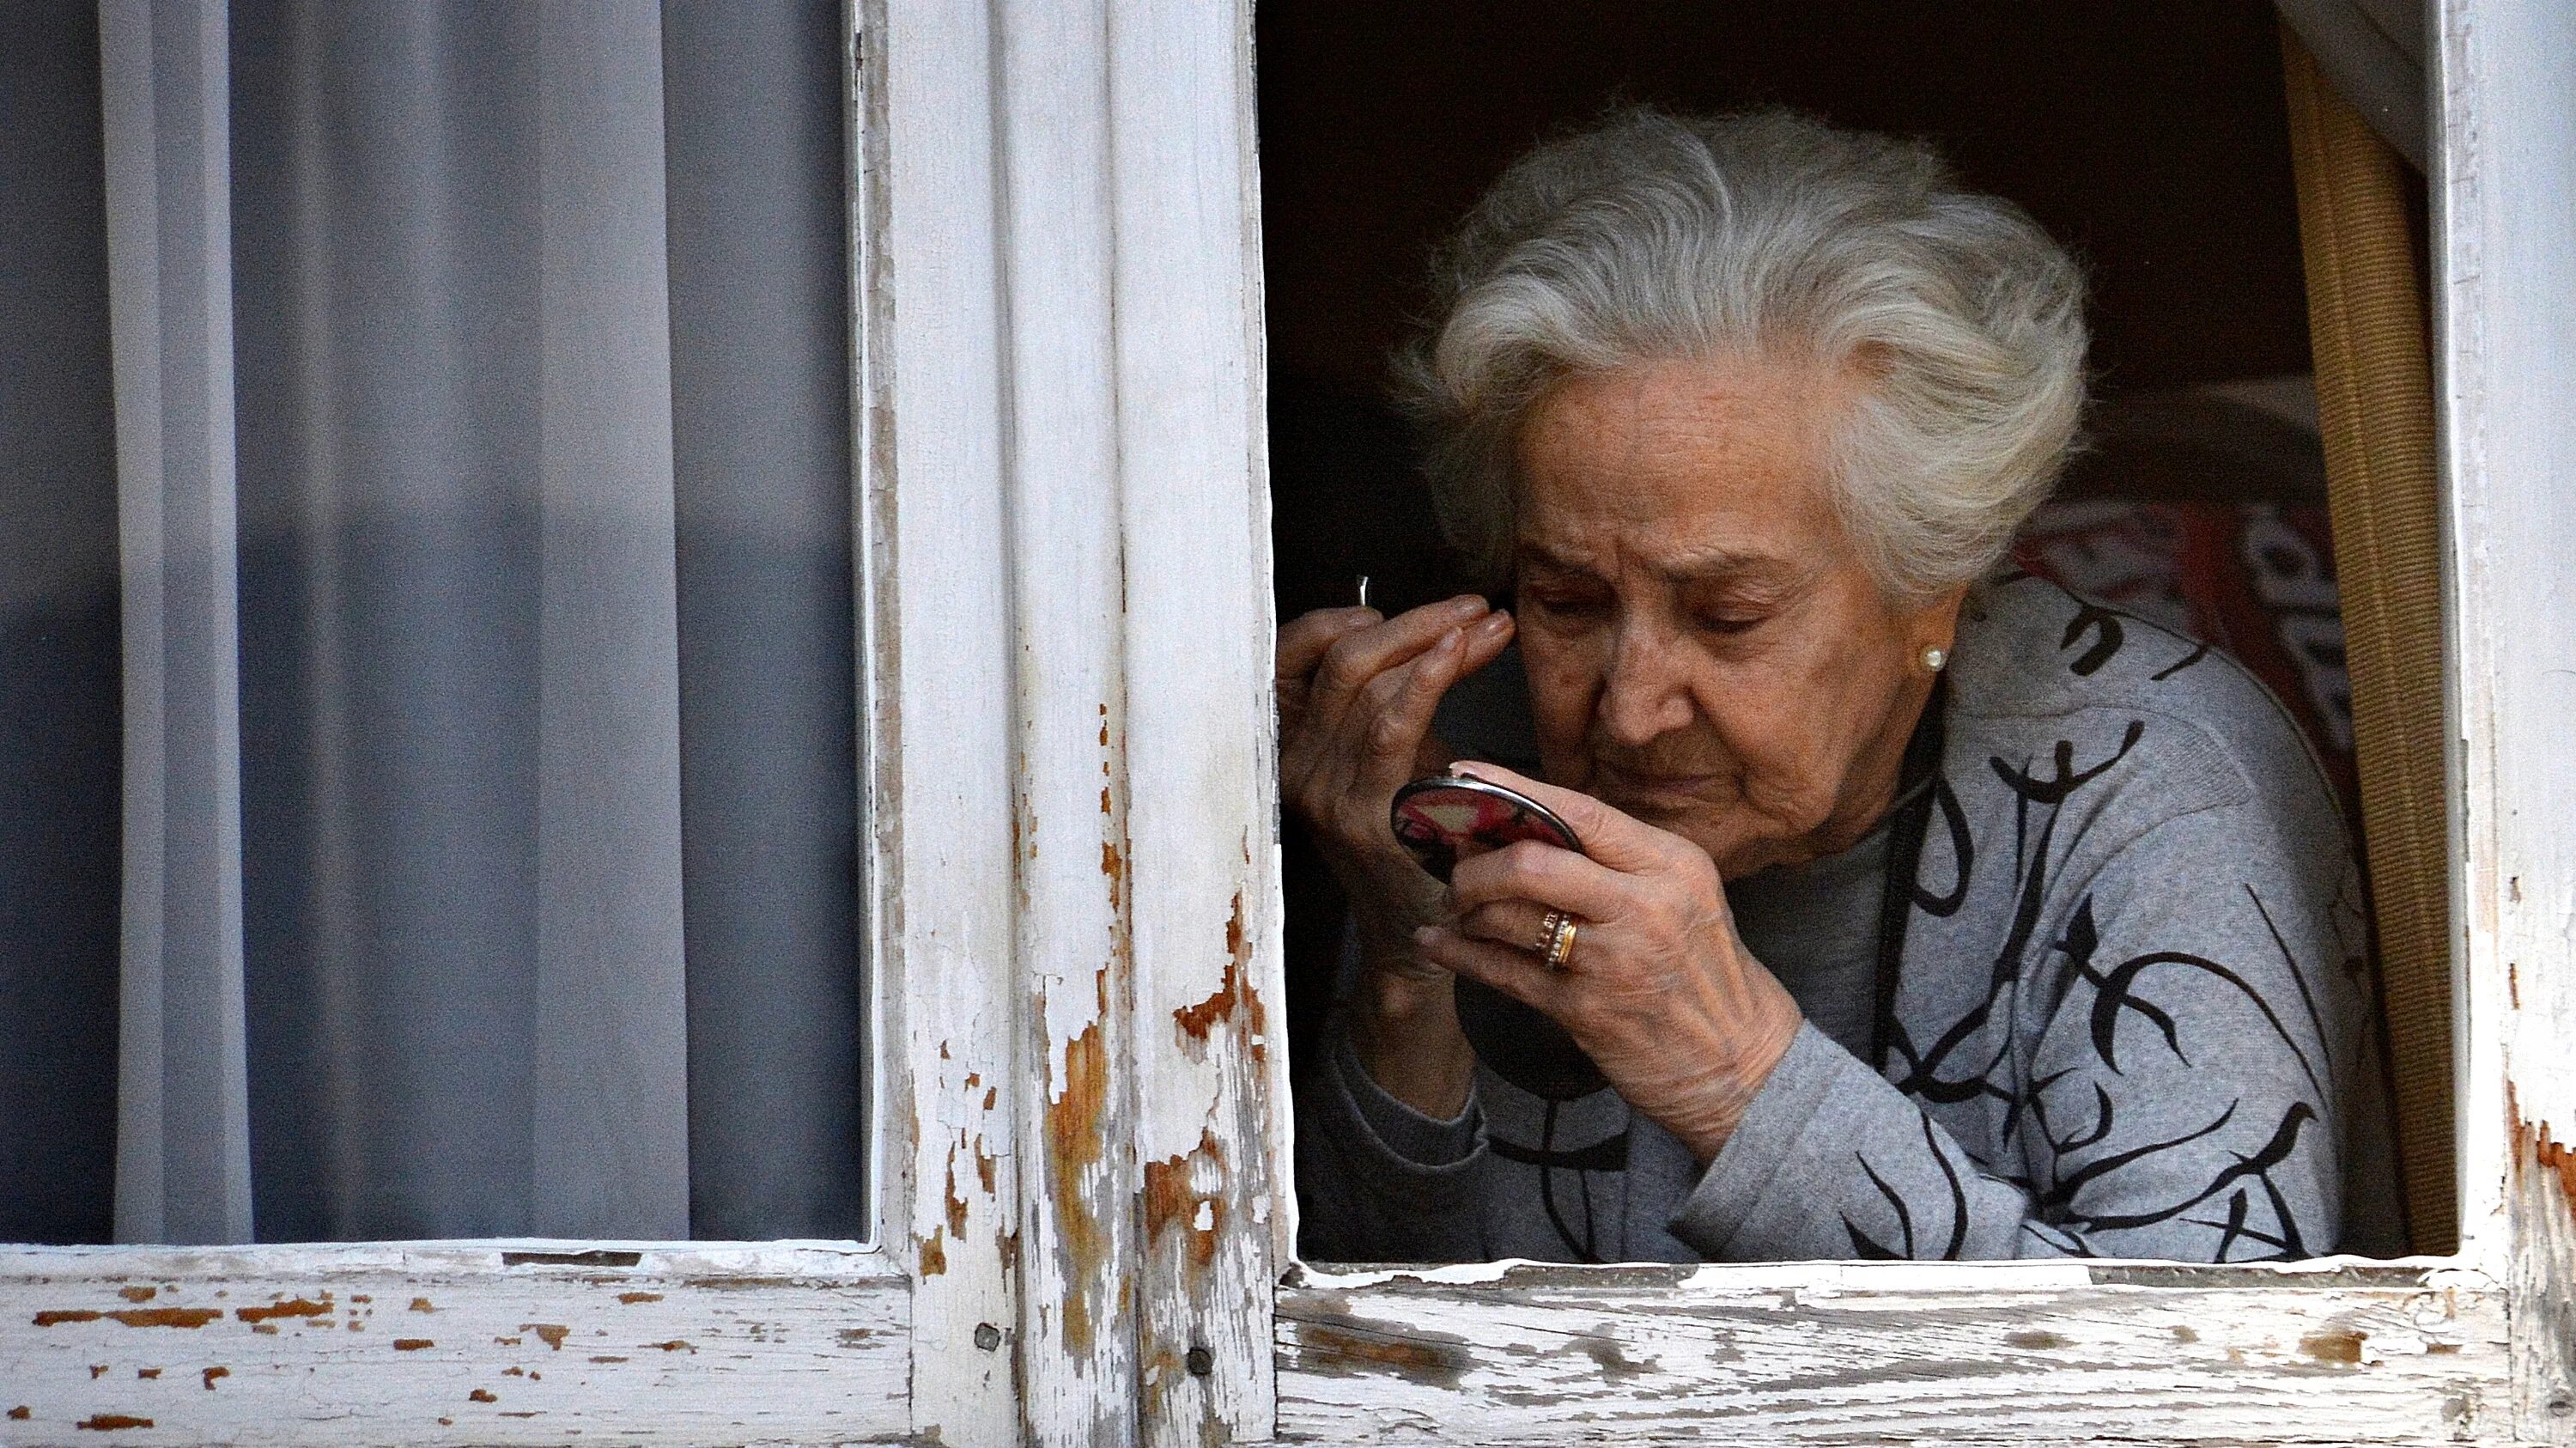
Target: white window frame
[(1086, 1231)]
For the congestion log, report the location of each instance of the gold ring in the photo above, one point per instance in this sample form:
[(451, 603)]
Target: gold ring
[(1556, 939)]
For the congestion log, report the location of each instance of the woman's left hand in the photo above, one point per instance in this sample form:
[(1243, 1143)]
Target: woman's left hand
[(1658, 989)]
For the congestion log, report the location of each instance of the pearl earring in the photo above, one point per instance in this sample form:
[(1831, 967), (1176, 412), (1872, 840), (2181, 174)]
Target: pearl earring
[(1934, 656)]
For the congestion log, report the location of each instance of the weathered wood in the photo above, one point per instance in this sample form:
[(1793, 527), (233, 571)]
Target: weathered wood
[(1853, 1353), (1202, 860), (948, 953), (1077, 1343), (1054, 236), (538, 1342), (2504, 189)]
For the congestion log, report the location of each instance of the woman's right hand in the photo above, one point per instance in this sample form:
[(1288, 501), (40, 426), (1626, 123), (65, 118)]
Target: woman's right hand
[(1356, 696)]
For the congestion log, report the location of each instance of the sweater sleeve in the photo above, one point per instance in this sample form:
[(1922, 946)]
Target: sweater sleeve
[(1378, 1181), (2181, 1033)]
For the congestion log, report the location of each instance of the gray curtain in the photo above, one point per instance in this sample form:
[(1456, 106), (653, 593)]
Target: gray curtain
[(60, 728), (489, 832)]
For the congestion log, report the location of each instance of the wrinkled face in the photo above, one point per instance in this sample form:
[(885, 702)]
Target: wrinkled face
[(1706, 650)]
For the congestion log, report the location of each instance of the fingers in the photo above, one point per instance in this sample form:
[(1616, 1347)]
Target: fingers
[(1515, 973), (1544, 875), (1621, 841), (1512, 923), (1354, 659), (1396, 709), (1303, 641)]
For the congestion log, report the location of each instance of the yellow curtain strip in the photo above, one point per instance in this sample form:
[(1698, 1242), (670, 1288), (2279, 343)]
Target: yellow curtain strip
[(2366, 321)]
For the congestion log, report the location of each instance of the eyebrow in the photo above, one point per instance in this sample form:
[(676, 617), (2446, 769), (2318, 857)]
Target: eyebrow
[(1722, 565)]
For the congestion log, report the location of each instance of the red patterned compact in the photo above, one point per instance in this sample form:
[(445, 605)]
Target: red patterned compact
[(1447, 818)]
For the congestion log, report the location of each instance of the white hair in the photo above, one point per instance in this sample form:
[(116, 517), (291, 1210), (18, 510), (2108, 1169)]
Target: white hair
[(1654, 237)]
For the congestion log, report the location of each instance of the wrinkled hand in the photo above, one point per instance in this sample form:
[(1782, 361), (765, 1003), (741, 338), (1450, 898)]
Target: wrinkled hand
[(1356, 696), (1659, 989)]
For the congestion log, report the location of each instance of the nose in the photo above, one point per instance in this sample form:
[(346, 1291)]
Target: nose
[(1645, 693)]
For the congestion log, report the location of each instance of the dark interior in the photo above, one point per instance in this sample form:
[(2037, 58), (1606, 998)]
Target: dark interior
[(2150, 138)]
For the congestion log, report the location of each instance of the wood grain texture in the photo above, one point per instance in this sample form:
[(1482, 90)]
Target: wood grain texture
[(2505, 344), (950, 955), (1867, 1353), (1203, 859), (538, 1342), (1077, 1345)]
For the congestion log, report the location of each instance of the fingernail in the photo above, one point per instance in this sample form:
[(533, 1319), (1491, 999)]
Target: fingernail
[(1450, 641), (1466, 604), (1494, 623)]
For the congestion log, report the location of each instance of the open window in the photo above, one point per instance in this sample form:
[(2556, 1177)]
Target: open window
[(1060, 534), (2158, 149)]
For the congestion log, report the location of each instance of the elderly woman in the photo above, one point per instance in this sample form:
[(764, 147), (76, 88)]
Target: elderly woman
[(1921, 912)]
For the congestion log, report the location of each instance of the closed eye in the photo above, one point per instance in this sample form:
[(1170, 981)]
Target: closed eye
[(1729, 624)]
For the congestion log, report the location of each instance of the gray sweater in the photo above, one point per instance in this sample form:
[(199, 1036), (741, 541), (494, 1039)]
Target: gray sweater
[(2133, 1017)]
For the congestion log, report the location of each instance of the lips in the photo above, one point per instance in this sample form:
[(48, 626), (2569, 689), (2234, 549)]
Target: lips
[(1657, 790)]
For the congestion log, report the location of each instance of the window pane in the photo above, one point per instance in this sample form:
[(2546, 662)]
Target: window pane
[(532, 333)]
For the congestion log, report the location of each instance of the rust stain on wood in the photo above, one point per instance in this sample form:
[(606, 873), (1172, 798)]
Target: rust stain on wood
[(481, 1395), (2332, 1347), (631, 1298), (956, 1203), (21, 1413), (97, 1371), (1233, 991), (1073, 1148), (412, 1344), (550, 1333), (2038, 1341), (1344, 1351), (421, 1304), (147, 1373), (111, 1422), (167, 1316), (1171, 1201), (210, 1374), (1196, 1021), (138, 1294), (934, 1253), (59, 1316), (607, 1358), (292, 1307), (674, 1345), (2556, 1157)]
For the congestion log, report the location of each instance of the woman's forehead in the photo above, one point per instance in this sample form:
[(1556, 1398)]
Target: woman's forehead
[(1700, 465)]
